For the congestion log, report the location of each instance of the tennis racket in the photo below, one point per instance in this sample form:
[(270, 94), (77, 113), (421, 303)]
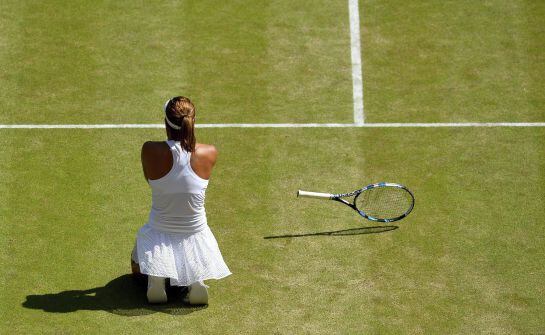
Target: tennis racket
[(381, 202)]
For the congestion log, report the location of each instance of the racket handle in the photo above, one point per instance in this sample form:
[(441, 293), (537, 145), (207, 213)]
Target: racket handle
[(306, 194)]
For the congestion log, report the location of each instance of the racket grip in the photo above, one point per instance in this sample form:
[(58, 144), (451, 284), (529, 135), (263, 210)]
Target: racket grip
[(306, 194)]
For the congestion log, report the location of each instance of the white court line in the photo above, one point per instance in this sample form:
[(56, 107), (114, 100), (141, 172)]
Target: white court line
[(454, 124), (79, 126), (279, 125), (162, 125), (355, 47)]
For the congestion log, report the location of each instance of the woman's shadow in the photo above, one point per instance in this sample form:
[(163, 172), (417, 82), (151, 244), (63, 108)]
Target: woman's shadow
[(124, 295)]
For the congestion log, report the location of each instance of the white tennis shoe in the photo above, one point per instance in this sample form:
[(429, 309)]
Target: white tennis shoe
[(156, 290), (198, 294)]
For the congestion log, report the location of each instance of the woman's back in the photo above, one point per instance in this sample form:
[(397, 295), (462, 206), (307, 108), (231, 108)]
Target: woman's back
[(157, 159), (178, 196)]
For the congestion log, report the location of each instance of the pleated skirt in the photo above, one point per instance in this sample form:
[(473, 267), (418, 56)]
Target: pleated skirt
[(185, 258)]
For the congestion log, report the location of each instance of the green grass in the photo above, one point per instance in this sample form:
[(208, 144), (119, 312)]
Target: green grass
[(118, 61), (470, 251), (454, 61), (467, 260)]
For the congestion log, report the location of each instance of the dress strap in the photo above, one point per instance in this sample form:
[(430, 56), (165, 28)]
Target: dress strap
[(175, 148)]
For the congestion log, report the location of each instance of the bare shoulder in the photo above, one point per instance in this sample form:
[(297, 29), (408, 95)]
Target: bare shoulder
[(151, 145), (153, 148), (156, 159), (153, 151), (206, 152), (203, 160)]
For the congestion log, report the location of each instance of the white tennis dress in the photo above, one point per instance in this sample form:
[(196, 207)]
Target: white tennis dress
[(176, 242)]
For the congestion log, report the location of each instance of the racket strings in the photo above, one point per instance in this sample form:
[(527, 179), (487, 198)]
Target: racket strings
[(384, 202)]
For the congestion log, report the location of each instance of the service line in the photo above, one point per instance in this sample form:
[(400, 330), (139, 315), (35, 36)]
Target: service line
[(278, 125)]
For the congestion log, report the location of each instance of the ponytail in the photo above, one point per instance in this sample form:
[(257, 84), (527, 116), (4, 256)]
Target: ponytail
[(187, 134), (180, 119)]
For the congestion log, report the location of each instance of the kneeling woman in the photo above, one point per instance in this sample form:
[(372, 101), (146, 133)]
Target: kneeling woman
[(176, 243)]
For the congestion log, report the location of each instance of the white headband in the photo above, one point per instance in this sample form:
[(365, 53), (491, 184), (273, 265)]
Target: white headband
[(170, 123)]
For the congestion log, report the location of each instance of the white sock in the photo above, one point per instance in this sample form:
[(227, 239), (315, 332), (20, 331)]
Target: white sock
[(156, 290)]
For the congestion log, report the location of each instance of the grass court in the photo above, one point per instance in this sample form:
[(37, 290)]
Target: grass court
[(468, 260)]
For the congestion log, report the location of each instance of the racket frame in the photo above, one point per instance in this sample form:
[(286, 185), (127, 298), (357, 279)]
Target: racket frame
[(339, 197)]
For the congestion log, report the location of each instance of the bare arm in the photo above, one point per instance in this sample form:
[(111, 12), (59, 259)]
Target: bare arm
[(144, 157)]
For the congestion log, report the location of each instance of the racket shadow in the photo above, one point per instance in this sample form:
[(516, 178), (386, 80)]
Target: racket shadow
[(123, 296), (344, 232)]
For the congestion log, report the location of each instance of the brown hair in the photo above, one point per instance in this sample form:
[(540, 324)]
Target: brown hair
[(181, 111)]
